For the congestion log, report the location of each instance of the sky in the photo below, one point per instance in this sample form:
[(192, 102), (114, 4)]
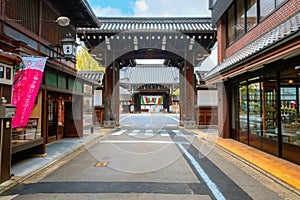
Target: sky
[(150, 8)]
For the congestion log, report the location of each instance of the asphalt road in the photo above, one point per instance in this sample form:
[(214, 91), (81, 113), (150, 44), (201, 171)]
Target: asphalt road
[(150, 157)]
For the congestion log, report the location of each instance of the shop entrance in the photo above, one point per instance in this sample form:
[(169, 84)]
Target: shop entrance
[(69, 120), (73, 122), (52, 121)]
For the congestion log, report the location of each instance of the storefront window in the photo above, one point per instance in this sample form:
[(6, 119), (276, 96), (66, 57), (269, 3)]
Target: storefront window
[(289, 95), (269, 113), (235, 111), (243, 107), (289, 116), (254, 108)]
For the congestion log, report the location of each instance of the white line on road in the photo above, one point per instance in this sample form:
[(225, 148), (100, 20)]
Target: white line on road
[(122, 119), (134, 132), (149, 132), (164, 133), (211, 185), (174, 118), (177, 132), (142, 142), (119, 132)]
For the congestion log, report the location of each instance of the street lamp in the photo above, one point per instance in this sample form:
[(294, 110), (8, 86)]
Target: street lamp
[(69, 47), (63, 21)]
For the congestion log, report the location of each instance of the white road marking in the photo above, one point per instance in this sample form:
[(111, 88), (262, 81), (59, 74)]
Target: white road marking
[(119, 132), (211, 185), (177, 132), (134, 132), (164, 133), (149, 132), (141, 142), (174, 118)]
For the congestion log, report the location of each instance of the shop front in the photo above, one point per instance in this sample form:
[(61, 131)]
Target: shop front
[(265, 109), (60, 116), (68, 104)]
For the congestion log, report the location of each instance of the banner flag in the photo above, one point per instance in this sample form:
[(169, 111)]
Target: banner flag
[(158, 100), (26, 88)]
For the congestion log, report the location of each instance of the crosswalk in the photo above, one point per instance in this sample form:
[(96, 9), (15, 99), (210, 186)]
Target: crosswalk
[(150, 132)]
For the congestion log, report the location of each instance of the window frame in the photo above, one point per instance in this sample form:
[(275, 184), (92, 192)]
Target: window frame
[(259, 19)]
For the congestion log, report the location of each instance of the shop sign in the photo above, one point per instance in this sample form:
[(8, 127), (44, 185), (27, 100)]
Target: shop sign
[(25, 89)]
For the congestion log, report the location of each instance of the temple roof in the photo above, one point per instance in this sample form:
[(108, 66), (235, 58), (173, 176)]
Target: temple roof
[(95, 76), (146, 23), (148, 74)]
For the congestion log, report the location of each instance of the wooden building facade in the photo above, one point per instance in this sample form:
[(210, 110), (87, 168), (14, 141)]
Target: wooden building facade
[(30, 28)]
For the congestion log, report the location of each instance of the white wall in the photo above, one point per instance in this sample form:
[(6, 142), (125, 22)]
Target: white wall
[(207, 97), (97, 97)]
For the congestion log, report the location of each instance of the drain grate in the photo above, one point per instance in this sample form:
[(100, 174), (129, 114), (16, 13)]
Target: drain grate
[(101, 164)]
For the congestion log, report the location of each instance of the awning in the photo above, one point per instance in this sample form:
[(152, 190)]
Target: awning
[(10, 58)]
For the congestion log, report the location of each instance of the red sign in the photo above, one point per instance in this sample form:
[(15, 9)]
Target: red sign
[(25, 89)]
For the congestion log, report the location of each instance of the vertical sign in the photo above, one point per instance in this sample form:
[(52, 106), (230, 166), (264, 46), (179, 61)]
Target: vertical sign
[(26, 88), (97, 97)]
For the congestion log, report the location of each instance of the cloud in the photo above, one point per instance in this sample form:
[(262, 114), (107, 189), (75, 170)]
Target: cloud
[(140, 6), (171, 8), (107, 11)]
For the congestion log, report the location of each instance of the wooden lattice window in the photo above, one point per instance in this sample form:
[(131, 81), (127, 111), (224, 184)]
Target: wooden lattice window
[(24, 12), (50, 30)]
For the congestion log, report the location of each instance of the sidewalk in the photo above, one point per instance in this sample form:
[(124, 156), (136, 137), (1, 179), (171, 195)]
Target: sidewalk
[(281, 170), (55, 151)]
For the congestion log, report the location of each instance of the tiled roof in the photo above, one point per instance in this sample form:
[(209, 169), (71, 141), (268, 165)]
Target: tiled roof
[(169, 24), (95, 76), (147, 74), (282, 31)]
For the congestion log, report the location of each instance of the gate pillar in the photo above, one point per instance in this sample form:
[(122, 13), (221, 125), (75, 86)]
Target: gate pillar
[(111, 96), (187, 95)]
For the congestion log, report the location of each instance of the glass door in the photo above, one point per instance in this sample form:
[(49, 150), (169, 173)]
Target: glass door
[(243, 115), (234, 132), (289, 115), (269, 116), (255, 120), (52, 120), (289, 101)]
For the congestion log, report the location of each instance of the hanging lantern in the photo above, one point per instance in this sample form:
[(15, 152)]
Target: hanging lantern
[(69, 47)]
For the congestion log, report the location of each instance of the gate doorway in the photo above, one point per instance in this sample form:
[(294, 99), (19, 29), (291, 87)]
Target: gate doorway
[(119, 42)]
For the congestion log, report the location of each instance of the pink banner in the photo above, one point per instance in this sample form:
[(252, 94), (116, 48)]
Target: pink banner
[(25, 89)]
